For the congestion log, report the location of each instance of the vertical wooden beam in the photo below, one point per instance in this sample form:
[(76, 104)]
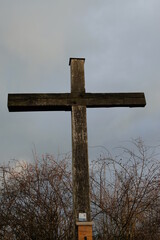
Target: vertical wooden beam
[(77, 75), (80, 168)]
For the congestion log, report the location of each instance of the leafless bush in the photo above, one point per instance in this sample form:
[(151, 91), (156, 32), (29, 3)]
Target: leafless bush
[(125, 194), (36, 199)]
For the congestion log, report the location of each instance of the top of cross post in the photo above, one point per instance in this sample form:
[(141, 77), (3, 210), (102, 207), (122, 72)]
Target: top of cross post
[(75, 59)]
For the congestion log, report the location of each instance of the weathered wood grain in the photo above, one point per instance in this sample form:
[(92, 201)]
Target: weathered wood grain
[(65, 101), (80, 168)]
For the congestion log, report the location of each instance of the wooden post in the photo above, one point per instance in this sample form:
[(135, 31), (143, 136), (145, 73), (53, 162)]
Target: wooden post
[(80, 169)]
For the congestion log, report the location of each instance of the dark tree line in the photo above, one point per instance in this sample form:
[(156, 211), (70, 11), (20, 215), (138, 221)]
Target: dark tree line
[(36, 198)]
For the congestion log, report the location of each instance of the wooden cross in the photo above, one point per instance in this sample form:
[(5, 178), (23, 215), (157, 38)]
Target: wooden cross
[(77, 101)]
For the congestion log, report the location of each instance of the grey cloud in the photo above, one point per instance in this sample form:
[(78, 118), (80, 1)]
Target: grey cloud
[(120, 41)]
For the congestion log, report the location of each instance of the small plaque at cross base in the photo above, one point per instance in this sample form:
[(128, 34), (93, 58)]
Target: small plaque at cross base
[(82, 217), (84, 230)]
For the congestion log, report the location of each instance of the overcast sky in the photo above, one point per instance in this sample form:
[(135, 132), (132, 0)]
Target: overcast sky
[(120, 41)]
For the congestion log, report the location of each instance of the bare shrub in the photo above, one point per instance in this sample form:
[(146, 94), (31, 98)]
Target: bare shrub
[(36, 200), (125, 194)]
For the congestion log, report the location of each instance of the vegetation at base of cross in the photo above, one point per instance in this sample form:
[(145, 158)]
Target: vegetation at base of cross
[(125, 193), (36, 198)]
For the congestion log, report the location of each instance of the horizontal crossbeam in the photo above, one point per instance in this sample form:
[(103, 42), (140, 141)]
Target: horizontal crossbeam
[(64, 101)]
